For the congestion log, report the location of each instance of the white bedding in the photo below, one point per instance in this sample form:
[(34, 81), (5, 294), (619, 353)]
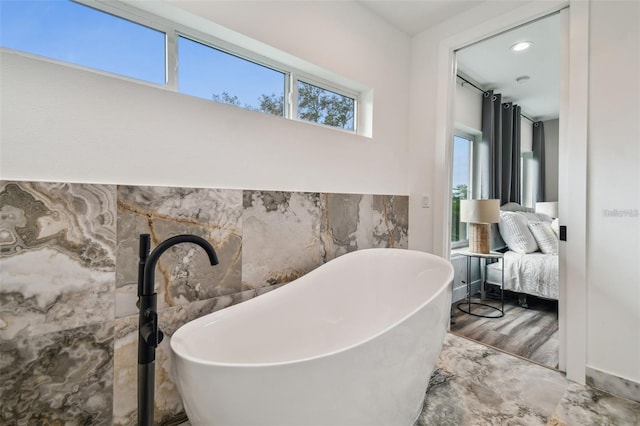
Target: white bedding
[(532, 273)]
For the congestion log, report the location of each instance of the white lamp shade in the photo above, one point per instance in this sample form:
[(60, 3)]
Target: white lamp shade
[(548, 207), (480, 211)]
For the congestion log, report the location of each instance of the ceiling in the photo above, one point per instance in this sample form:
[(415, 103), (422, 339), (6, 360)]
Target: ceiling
[(490, 63), (413, 17), (493, 65)]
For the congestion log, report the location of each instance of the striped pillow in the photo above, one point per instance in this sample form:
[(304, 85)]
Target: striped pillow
[(545, 237), (515, 232)]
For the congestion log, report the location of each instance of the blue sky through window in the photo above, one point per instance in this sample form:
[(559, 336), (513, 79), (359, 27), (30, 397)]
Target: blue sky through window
[(204, 72), (71, 32), (461, 161), (75, 33)]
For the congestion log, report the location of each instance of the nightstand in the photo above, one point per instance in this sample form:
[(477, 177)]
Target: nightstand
[(468, 304)]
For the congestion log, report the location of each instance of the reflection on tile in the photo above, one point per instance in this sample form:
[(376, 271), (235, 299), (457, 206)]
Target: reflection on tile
[(183, 274), (489, 388), (583, 405), (281, 237), (59, 378), (57, 256), (391, 221)]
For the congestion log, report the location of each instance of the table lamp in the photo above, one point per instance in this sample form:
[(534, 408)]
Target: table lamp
[(479, 214)]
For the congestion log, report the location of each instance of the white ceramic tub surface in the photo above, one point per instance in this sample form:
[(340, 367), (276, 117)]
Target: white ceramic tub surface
[(353, 342)]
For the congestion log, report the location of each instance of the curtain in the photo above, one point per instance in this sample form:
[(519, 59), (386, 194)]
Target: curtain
[(538, 162), (510, 185), (489, 154), (499, 150)]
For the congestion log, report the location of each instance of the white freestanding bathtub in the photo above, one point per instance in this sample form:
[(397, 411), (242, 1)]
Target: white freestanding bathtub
[(353, 342)]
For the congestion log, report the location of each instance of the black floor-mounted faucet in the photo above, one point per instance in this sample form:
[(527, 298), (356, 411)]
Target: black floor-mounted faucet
[(149, 334)]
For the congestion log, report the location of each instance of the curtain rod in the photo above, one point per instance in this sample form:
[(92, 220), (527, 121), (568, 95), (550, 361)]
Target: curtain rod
[(528, 118), (470, 83), (483, 91)]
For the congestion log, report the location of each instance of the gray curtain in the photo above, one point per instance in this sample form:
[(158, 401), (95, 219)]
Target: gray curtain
[(489, 152), (499, 150), (538, 161), (510, 187)]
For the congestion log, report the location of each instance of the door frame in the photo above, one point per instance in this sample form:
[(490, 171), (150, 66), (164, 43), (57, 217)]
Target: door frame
[(573, 138)]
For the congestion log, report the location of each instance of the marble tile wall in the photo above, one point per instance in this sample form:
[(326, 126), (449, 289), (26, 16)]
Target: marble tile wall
[(68, 276), (57, 275)]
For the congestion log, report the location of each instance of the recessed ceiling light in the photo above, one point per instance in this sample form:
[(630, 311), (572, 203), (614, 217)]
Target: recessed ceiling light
[(522, 79), (523, 45)]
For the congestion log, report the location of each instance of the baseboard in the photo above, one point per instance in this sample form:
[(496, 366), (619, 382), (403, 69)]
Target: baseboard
[(612, 384)]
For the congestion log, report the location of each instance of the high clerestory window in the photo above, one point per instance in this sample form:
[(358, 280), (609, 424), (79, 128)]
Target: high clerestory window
[(157, 52)]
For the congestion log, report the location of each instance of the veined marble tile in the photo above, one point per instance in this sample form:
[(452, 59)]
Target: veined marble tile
[(347, 223), (391, 221), (183, 274), (475, 385), (584, 405), (281, 237), (168, 404), (57, 256), (613, 384), (61, 378)]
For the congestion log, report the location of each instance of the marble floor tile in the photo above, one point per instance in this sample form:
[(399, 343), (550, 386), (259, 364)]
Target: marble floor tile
[(476, 385), (584, 405)]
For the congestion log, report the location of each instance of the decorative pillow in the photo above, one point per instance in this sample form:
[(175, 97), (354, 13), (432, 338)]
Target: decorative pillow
[(537, 217), (512, 207), (545, 237), (515, 232), (555, 226)]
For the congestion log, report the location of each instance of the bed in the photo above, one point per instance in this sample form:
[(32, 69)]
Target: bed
[(530, 244)]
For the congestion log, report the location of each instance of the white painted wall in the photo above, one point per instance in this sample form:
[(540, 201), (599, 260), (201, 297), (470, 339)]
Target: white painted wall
[(67, 124), (468, 109), (613, 270)]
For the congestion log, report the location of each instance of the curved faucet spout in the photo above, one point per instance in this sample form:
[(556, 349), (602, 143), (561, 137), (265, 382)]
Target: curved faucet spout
[(150, 264), (149, 335)]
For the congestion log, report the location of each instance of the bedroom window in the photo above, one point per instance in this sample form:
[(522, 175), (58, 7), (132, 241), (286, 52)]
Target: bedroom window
[(461, 186)]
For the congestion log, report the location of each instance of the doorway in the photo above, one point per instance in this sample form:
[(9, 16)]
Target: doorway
[(574, 100), (517, 67)]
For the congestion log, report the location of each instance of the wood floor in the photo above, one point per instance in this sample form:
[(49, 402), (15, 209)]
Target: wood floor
[(531, 333)]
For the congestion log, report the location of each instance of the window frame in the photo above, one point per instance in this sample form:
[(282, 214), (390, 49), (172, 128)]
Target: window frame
[(314, 81), (206, 41), (173, 30), (472, 145)]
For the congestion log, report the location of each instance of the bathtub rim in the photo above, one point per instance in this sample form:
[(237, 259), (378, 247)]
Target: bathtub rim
[(447, 282)]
